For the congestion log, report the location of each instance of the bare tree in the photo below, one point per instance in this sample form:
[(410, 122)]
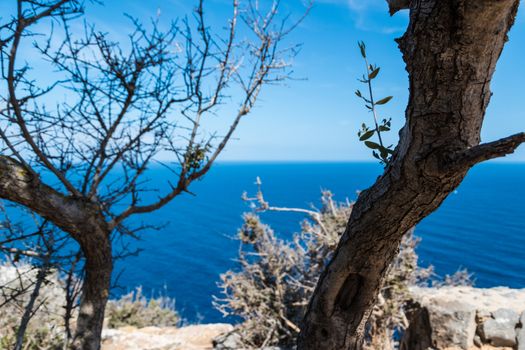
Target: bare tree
[(76, 150), (450, 49)]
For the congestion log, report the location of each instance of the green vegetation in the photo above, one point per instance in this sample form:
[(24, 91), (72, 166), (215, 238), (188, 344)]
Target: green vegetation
[(134, 309), (379, 150)]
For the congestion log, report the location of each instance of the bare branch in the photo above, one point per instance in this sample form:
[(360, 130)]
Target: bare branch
[(491, 150), (30, 307), (12, 80), (18, 185), (263, 205)]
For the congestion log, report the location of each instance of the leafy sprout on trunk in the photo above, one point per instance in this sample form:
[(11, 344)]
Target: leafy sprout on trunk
[(379, 150)]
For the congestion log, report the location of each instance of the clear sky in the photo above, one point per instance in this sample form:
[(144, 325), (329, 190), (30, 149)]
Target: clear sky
[(317, 116)]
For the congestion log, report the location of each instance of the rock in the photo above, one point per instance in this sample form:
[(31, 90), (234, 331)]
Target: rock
[(232, 341), (227, 341), (452, 321), (486, 300), (498, 334), (501, 329), (520, 333), (477, 341), (506, 315), (197, 337), (483, 315), (521, 338), (454, 313)]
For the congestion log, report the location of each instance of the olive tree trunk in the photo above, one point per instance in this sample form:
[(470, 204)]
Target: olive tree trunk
[(450, 49)]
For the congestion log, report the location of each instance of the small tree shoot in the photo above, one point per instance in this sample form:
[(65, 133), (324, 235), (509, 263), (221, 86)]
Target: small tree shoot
[(379, 150)]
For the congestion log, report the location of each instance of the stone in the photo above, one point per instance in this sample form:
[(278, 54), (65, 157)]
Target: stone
[(477, 341), (508, 316), (227, 341), (520, 333), (451, 323), (195, 337), (521, 338), (454, 313), (501, 329), (486, 300), (232, 341)]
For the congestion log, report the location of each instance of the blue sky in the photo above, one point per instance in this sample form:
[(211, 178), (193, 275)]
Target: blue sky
[(316, 117)]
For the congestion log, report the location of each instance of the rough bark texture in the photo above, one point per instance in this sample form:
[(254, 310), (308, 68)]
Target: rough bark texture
[(86, 224), (95, 293), (450, 49)]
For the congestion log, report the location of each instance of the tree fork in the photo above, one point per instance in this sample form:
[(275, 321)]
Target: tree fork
[(85, 223), (450, 49)]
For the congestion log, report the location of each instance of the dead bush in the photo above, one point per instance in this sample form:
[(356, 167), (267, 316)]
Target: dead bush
[(276, 278), (46, 329)]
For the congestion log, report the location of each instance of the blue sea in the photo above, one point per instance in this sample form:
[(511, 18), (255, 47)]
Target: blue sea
[(481, 227)]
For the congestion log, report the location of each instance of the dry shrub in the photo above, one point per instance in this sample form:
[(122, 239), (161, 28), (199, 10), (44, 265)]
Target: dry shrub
[(46, 328), (276, 278), (134, 309)]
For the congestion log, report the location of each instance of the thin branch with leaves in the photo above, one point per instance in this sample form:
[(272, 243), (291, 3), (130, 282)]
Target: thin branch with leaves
[(379, 150)]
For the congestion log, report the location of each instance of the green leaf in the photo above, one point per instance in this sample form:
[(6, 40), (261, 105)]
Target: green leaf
[(362, 48), (358, 93), (374, 73), (384, 100), (367, 135), (384, 128), (384, 153), (372, 145)]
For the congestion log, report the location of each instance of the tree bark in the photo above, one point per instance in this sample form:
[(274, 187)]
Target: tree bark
[(450, 49), (95, 292), (85, 222)]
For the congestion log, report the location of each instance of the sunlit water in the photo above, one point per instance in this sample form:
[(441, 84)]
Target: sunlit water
[(481, 226)]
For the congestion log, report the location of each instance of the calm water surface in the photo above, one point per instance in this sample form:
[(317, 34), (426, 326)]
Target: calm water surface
[(481, 226)]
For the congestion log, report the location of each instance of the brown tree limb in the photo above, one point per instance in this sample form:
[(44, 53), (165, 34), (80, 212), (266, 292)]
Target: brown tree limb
[(397, 5), (19, 185), (450, 46), (490, 150)]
